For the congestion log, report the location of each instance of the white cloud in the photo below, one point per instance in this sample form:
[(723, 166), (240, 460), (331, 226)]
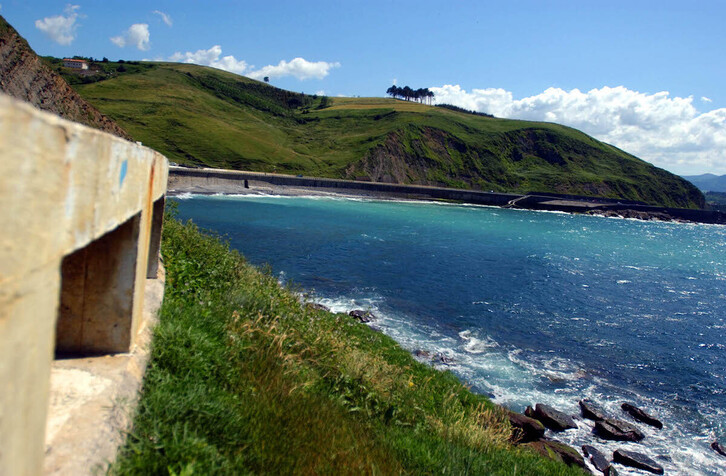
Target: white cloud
[(211, 57), (666, 131), (60, 28), (299, 68), (164, 17), (705, 99), (137, 35)]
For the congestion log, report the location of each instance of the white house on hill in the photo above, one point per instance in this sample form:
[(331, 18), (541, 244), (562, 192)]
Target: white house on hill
[(75, 63)]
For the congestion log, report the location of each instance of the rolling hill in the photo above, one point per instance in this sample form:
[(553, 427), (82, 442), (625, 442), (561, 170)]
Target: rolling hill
[(201, 116)]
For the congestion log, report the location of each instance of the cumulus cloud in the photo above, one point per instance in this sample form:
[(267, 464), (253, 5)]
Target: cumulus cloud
[(705, 99), (299, 68), (137, 35), (212, 57), (666, 131), (60, 28), (164, 17)]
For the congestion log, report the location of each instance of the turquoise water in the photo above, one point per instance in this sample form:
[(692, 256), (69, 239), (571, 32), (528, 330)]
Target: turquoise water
[(531, 307)]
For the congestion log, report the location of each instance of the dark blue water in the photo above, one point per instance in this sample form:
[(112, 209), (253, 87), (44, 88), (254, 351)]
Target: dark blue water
[(532, 307)]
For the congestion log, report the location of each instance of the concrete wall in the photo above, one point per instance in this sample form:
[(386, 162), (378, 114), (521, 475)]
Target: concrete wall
[(183, 179), (64, 188)]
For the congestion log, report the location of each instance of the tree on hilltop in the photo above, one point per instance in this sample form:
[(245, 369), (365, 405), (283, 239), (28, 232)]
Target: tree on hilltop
[(422, 95)]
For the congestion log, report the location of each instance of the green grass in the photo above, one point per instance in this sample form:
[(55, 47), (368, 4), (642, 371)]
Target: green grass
[(202, 116), (244, 379)]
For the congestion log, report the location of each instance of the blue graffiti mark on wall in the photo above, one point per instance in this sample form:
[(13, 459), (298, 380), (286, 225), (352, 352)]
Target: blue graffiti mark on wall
[(122, 174)]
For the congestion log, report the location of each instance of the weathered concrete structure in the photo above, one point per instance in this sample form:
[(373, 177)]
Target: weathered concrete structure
[(79, 210)]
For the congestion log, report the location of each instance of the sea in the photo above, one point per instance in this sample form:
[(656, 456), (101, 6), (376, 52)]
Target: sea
[(527, 307)]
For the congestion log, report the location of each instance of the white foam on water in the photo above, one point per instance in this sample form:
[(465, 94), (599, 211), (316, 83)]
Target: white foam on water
[(516, 378)]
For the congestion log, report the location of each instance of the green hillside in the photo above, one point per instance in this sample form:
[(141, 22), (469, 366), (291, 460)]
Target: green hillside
[(202, 116)]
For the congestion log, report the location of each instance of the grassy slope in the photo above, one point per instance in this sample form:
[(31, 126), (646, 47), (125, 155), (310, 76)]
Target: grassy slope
[(246, 380), (199, 115)]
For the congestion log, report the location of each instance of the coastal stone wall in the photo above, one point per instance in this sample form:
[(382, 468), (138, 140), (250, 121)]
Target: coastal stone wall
[(80, 208), (184, 179)]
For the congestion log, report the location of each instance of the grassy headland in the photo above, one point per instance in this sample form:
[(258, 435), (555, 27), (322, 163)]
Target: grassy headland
[(245, 379), (202, 116)]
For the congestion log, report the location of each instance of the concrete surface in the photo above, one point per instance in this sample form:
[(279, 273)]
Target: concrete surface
[(92, 401), (64, 186)]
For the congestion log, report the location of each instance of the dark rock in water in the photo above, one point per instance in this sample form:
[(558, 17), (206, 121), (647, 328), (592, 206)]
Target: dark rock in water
[(641, 415), (362, 316), (525, 428), (610, 471), (314, 306), (437, 358), (443, 359), (637, 460), (618, 430), (718, 448), (592, 410), (553, 419), (557, 451), (597, 459), (529, 411)]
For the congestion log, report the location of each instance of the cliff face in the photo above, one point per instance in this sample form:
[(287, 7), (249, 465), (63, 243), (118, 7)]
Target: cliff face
[(524, 160), (24, 76)]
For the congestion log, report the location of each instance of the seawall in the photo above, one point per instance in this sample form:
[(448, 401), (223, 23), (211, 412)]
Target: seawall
[(183, 179)]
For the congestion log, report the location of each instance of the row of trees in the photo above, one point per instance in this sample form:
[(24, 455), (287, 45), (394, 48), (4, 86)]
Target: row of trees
[(422, 95)]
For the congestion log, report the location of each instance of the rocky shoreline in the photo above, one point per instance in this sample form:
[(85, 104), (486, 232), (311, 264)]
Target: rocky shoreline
[(537, 427)]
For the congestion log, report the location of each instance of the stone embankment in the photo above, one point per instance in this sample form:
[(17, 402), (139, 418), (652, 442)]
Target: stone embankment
[(209, 181)]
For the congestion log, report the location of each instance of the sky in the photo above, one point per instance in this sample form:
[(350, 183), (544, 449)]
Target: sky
[(645, 76)]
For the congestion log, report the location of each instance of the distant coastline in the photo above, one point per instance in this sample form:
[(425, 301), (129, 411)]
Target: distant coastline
[(212, 181)]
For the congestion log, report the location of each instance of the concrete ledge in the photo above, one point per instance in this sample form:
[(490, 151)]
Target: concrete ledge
[(92, 400), (78, 210)]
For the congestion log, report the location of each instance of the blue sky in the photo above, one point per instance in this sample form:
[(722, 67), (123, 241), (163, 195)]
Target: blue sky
[(645, 76)]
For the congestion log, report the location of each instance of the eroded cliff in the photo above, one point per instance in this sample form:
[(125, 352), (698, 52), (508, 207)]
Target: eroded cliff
[(24, 76)]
